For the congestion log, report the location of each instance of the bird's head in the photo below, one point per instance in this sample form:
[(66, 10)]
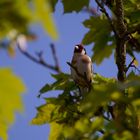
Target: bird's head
[(80, 49)]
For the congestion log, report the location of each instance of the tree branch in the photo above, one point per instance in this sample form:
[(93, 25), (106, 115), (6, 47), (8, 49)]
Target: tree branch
[(103, 10), (40, 60), (79, 74), (119, 12), (55, 57), (120, 40), (130, 65)]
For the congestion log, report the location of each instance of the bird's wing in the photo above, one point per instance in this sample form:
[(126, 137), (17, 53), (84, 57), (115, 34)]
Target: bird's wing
[(86, 59)]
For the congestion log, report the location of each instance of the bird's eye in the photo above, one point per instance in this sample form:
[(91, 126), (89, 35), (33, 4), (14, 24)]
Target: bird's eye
[(77, 47)]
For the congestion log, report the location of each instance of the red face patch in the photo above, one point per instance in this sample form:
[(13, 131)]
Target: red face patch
[(78, 48)]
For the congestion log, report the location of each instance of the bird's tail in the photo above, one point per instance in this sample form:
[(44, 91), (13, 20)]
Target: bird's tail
[(84, 90)]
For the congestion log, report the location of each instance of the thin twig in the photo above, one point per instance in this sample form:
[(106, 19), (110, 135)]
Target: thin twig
[(102, 131), (79, 74), (103, 10), (110, 109), (55, 57), (38, 60), (130, 65), (135, 68), (84, 77), (106, 118)]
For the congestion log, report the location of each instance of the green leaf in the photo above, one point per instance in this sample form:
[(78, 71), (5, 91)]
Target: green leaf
[(98, 79), (44, 114), (101, 51), (72, 5), (11, 88), (100, 34), (100, 95), (61, 76), (88, 38), (56, 131), (63, 82), (58, 85), (17, 17), (60, 109), (43, 13), (135, 15)]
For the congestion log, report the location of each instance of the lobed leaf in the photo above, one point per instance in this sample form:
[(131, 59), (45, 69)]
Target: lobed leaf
[(43, 13), (44, 114), (100, 34), (55, 132), (63, 82), (11, 88)]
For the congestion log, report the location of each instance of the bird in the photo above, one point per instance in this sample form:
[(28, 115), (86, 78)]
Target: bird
[(81, 68)]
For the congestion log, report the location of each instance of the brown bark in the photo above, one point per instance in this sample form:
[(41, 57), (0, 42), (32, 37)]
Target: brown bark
[(120, 40)]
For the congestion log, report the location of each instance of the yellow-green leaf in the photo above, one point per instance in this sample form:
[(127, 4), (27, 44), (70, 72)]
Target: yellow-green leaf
[(11, 88), (43, 13), (55, 132), (44, 114)]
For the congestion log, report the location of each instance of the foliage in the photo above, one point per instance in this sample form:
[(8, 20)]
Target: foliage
[(100, 36), (18, 15), (43, 8), (13, 18), (11, 88), (74, 117), (111, 110), (16, 18)]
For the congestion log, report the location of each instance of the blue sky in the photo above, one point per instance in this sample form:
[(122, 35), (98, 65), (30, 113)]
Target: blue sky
[(71, 32)]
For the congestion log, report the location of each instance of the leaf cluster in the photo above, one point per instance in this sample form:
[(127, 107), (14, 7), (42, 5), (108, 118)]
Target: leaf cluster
[(90, 117), (111, 110)]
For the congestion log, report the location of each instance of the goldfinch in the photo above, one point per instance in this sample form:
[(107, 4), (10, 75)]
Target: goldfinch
[(81, 70)]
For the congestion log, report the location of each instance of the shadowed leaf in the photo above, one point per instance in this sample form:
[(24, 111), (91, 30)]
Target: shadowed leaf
[(72, 5)]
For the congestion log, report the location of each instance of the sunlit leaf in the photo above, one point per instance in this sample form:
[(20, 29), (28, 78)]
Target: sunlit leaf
[(136, 63), (43, 13), (97, 123), (11, 88), (55, 132), (98, 79), (83, 125), (13, 18), (44, 114)]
